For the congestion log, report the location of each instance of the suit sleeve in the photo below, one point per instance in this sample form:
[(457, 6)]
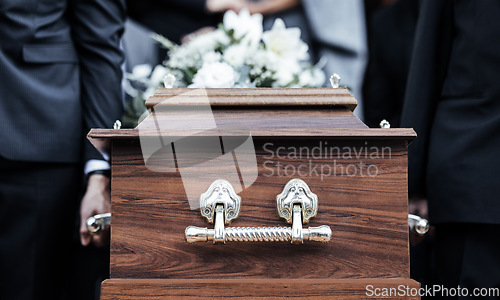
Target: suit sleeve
[(97, 27), (426, 76)]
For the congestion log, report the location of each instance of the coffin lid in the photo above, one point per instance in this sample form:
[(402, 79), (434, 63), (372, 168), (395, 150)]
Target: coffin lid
[(245, 97), (262, 112)]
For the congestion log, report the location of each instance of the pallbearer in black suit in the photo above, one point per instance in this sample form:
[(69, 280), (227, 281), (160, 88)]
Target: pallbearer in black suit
[(59, 76), (453, 102)]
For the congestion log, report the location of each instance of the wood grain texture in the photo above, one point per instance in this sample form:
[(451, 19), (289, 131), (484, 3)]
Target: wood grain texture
[(358, 174), (407, 134), (367, 214), (253, 288), (255, 97), (101, 138), (168, 118)]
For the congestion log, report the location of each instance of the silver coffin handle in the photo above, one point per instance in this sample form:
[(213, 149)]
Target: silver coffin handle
[(220, 204), (98, 222), (417, 224)]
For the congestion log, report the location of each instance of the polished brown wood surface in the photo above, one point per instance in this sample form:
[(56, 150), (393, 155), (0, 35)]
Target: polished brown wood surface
[(174, 118), (101, 138), (372, 133), (358, 174), (255, 97), (367, 214), (258, 289)]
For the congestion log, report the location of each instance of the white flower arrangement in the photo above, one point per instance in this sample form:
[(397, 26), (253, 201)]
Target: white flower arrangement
[(238, 54)]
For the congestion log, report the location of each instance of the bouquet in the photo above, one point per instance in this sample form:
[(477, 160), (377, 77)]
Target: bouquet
[(237, 54)]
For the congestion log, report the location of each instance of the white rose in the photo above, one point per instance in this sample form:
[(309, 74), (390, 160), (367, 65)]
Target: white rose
[(235, 55), (183, 57), (261, 59), (203, 43), (214, 75), (220, 37), (319, 77), (211, 56), (312, 78), (285, 72)]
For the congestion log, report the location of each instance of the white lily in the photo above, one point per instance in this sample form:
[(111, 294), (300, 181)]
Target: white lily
[(246, 27), (285, 42)]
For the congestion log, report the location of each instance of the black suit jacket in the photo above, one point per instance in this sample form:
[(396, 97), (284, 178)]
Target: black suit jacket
[(391, 31), (59, 76), (453, 102), (172, 18)]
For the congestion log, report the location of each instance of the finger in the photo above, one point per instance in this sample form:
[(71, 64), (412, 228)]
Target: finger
[(84, 233), (97, 240), (411, 208), (424, 211), (85, 237)]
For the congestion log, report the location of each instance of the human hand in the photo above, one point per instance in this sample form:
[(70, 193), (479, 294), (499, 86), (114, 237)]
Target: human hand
[(270, 6), (215, 6), (418, 206), (97, 200)]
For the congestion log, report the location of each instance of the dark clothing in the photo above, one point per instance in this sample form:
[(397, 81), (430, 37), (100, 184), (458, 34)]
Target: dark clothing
[(89, 268), (453, 103), (391, 30), (38, 204), (60, 75), (172, 18), (465, 257)]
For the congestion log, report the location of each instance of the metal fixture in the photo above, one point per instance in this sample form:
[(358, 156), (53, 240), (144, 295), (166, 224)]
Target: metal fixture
[(296, 204), (417, 224), (98, 222)]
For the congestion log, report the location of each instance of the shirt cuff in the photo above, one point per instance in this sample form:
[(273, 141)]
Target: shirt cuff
[(96, 164)]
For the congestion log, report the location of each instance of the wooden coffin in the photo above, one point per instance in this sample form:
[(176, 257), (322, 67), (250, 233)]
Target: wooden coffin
[(358, 174)]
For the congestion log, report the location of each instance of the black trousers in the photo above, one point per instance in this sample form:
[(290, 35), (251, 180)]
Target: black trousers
[(38, 206), (468, 255)]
